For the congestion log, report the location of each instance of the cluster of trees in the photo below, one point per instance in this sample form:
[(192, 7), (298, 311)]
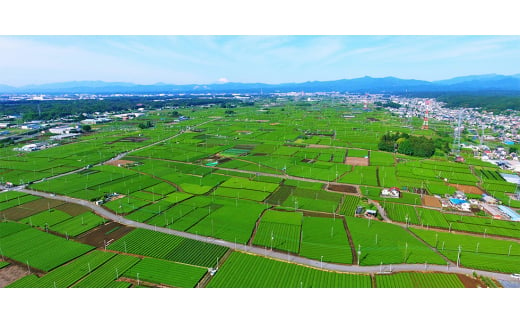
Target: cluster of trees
[(403, 143), (146, 125)]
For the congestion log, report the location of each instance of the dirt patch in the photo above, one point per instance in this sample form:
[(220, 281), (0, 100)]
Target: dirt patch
[(342, 188), (72, 209), (119, 162), (356, 161), (30, 208), (110, 231), (470, 282), (431, 201), (12, 273), (372, 119), (467, 189)]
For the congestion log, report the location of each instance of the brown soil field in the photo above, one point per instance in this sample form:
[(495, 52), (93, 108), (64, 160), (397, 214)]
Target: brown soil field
[(106, 232), (356, 161), (467, 189), (119, 162), (72, 209), (30, 208), (470, 282), (431, 201), (343, 188), (12, 273)]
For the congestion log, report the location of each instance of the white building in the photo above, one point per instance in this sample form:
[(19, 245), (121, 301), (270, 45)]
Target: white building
[(62, 130)]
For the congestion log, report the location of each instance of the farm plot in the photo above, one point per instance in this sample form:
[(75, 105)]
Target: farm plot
[(78, 224), (475, 252), (7, 228), (432, 218), (379, 158), (247, 271), (361, 175), (387, 177), (66, 275), (279, 230), (164, 272), (169, 247), (388, 244), (3, 264), (241, 193), (125, 204), (313, 200), (240, 182), (18, 201), (147, 212), (327, 238), (401, 213), (418, 280), (349, 205), (109, 272), (46, 218), (39, 249), (233, 221)]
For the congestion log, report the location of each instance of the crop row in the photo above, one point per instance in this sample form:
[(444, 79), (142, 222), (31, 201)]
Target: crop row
[(387, 243), (39, 249), (108, 272), (169, 247), (169, 273), (350, 203), (475, 252), (66, 275), (325, 239), (418, 280), (248, 271)]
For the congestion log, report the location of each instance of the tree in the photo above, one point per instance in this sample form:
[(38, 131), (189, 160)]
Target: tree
[(86, 128)]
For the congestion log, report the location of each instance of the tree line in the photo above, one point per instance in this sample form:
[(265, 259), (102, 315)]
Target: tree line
[(404, 143)]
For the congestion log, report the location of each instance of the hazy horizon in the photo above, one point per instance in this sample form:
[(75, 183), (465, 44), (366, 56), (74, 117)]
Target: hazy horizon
[(180, 60)]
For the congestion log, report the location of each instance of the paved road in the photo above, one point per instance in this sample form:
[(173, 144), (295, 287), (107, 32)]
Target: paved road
[(448, 268)]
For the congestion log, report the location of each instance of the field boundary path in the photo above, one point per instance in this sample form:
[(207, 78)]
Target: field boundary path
[(448, 268)]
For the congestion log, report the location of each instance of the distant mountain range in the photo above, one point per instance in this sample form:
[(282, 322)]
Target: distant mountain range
[(472, 83)]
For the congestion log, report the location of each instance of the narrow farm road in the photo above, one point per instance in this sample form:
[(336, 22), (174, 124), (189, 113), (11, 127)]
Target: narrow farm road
[(448, 268), (123, 154)]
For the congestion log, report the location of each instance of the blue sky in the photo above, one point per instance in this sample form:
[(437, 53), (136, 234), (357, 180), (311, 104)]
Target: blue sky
[(268, 59)]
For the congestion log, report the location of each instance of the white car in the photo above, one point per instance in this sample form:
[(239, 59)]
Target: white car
[(517, 276)]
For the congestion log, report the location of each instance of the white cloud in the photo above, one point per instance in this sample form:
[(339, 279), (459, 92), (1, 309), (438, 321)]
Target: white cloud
[(223, 80)]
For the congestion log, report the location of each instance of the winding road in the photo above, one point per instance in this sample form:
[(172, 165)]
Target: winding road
[(448, 268)]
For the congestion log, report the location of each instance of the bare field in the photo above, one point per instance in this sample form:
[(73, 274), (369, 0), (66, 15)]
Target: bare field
[(467, 189), (431, 201), (357, 161), (19, 212), (119, 162), (342, 188)]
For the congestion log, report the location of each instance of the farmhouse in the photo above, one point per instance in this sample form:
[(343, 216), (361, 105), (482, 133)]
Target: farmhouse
[(392, 192)]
